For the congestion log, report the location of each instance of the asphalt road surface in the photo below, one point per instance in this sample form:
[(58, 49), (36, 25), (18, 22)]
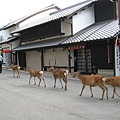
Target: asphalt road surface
[(22, 101)]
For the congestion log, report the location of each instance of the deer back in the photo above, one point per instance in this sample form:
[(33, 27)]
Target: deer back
[(115, 80), (92, 80), (15, 67), (60, 74)]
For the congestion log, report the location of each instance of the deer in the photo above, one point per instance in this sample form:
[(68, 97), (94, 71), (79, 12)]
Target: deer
[(16, 68), (92, 81), (114, 82), (59, 73), (36, 73)]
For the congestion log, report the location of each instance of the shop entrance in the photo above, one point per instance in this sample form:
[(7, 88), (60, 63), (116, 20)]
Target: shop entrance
[(83, 60)]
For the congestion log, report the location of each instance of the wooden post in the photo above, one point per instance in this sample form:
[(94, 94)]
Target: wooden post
[(69, 61), (42, 61)]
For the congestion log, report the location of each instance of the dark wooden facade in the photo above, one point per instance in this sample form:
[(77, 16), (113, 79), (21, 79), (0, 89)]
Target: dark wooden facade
[(95, 55), (104, 10), (49, 29)]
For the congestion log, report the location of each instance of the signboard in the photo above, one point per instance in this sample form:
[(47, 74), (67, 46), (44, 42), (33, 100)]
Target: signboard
[(76, 47), (117, 58)]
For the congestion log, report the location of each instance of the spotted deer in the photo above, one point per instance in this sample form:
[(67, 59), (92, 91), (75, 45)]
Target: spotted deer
[(59, 74), (92, 81)]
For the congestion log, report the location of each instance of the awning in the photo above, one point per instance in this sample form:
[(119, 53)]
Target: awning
[(40, 45)]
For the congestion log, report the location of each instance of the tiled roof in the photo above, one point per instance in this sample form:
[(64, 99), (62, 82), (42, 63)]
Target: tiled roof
[(15, 22), (66, 12), (97, 31), (102, 30), (41, 44)]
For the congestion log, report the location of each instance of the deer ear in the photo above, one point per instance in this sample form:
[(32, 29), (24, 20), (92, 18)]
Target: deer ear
[(79, 71)]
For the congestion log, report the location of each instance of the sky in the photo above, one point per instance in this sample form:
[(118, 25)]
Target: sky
[(11, 10)]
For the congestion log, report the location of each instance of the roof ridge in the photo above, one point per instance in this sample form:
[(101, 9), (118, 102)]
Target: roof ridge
[(72, 6)]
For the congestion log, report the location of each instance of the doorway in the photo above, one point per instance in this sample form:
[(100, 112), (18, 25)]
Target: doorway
[(83, 60), (22, 60)]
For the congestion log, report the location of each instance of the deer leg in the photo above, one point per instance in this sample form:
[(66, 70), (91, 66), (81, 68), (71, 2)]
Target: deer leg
[(103, 92), (30, 79), (65, 86), (16, 73), (43, 81), (55, 83), (91, 92), (82, 90), (65, 80), (19, 74), (34, 81), (106, 91), (114, 91), (61, 83), (13, 73), (39, 81)]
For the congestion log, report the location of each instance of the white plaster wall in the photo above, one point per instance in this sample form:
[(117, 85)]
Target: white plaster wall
[(66, 27), (4, 33), (83, 19), (33, 60), (12, 29), (58, 54), (15, 43), (37, 17)]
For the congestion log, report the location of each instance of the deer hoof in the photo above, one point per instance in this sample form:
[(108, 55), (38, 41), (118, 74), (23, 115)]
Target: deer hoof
[(92, 96), (101, 99)]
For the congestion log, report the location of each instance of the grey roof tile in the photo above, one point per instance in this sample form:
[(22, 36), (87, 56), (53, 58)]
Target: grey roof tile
[(40, 44), (96, 31), (56, 15), (9, 40), (15, 22)]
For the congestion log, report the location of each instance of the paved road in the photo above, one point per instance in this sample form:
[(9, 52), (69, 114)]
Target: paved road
[(21, 101)]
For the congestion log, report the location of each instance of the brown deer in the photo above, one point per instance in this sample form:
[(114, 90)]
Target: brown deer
[(36, 73), (59, 73), (15, 68), (114, 82), (92, 81)]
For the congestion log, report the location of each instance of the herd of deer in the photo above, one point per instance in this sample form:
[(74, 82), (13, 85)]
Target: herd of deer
[(89, 80)]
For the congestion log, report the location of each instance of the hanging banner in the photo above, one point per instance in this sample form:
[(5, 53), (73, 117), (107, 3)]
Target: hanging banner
[(117, 58)]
